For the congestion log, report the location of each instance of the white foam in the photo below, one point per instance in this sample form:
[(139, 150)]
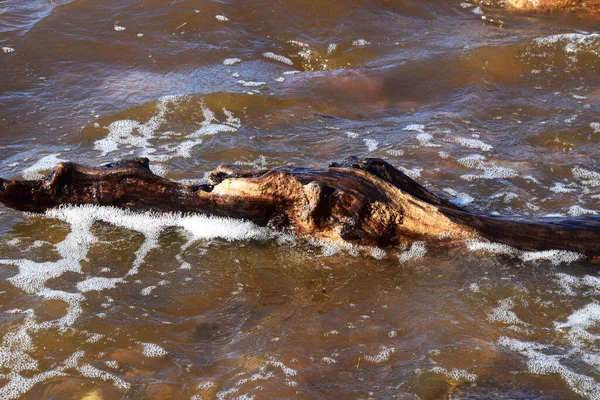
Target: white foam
[(222, 18), (412, 173), (148, 290), (371, 144), (425, 140), (360, 42), (278, 58), (205, 385), (417, 250), (251, 83), (595, 127), (45, 163), (586, 177), (555, 257), (331, 48), (455, 374), (119, 28), (7, 49), (559, 187), (578, 324), (460, 199), (504, 314), (382, 356), (574, 42), (472, 143), (490, 247), (142, 139), (474, 161), (545, 364), (414, 128), (395, 152), (492, 172), (98, 283), (152, 350), (577, 211), (231, 61), (89, 371)]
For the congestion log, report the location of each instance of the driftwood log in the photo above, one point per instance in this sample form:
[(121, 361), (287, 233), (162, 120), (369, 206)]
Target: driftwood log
[(367, 202)]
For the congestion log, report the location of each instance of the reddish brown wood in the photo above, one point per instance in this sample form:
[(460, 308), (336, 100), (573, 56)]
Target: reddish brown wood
[(364, 201)]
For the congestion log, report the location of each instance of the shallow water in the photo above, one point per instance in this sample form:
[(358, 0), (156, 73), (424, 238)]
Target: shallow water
[(500, 114)]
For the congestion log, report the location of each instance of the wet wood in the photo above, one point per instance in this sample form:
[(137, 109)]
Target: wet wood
[(367, 202), (553, 4)]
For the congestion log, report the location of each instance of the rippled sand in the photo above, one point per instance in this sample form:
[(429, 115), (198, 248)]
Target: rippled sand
[(492, 108)]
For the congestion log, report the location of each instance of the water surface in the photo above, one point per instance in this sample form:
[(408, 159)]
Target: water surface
[(498, 111)]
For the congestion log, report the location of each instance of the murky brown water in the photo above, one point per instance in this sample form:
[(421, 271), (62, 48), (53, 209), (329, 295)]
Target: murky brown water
[(500, 113)]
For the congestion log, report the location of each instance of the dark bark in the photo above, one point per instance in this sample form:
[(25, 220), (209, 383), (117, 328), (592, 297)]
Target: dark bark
[(364, 201)]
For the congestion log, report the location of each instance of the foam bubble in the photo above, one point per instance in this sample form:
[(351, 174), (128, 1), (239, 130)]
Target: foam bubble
[(474, 161), (425, 140), (231, 61), (577, 211), (371, 144), (497, 248), (89, 371), (45, 163), (119, 28), (559, 187), (545, 364), (492, 172), (574, 42), (98, 283), (251, 83), (152, 350), (395, 152), (417, 250), (7, 49), (278, 58), (382, 356), (578, 322), (222, 18), (460, 199), (555, 257), (586, 177), (143, 138), (455, 374), (504, 314), (413, 173), (414, 128), (595, 126), (360, 42), (472, 143)]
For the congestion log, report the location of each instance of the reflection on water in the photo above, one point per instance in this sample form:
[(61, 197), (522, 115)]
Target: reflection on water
[(496, 110)]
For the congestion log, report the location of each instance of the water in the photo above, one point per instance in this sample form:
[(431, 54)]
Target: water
[(498, 113)]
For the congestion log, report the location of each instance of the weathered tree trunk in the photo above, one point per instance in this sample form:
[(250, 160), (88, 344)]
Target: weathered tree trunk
[(367, 202)]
